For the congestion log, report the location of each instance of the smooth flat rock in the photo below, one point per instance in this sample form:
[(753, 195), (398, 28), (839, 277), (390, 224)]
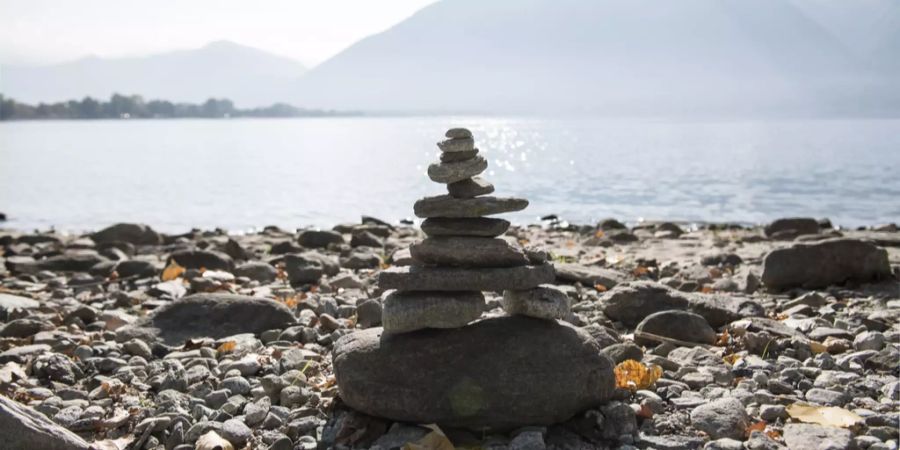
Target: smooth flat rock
[(206, 259), (825, 263), (458, 133), (451, 172), (209, 315), (720, 309), (467, 252), (477, 226), (319, 238), (25, 428), (542, 302), (308, 267), (133, 233), (588, 275), (447, 206), (630, 303), (795, 226), (807, 436), (458, 156), (10, 302), (496, 374), (416, 310), (414, 278), (461, 144), (81, 260), (471, 187), (675, 324)]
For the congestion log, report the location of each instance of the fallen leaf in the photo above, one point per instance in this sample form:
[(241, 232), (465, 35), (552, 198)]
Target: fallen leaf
[(723, 339), (831, 416), (817, 347), (212, 441), (706, 289), (434, 440), (633, 375), (600, 288), (599, 234), (172, 271), (227, 347), (732, 359), (758, 426)]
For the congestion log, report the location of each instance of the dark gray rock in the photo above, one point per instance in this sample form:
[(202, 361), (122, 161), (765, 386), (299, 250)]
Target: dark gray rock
[(824, 263), (25, 428), (416, 310), (805, 436), (256, 270), (632, 302), (719, 310), (361, 238), (458, 156), (458, 133), (319, 238), (675, 324), (70, 261), (209, 315), (451, 172), (794, 226), (197, 259), (499, 373), (447, 206), (478, 226), (457, 279), (308, 267), (722, 418), (369, 313), (467, 252), (588, 275), (471, 187), (135, 268), (462, 144), (542, 302), (133, 233), (623, 352)]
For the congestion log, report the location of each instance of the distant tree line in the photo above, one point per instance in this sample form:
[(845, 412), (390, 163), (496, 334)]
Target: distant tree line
[(134, 107)]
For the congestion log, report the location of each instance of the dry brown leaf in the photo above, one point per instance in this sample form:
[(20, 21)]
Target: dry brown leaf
[(723, 339), (640, 270), (212, 441), (434, 440), (599, 234), (172, 271), (633, 375), (706, 289), (831, 416), (817, 347), (600, 288), (227, 347), (758, 426), (732, 359)]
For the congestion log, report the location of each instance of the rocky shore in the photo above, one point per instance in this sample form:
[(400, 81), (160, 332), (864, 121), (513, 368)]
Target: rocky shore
[(129, 338)]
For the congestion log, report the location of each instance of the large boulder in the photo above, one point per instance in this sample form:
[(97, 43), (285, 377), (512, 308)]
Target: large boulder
[(202, 259), (133, 233), (824, 263), (496, 374), (791, 227), (631, 302), (209, 315), (25, 428)]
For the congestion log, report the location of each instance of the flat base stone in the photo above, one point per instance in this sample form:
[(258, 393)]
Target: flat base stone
[(478, 226), (467, 252), (472, 187), (496, 374), (542, 302), (451, 172), (416, 310), (458, 279), (832, 261), (447, 206)]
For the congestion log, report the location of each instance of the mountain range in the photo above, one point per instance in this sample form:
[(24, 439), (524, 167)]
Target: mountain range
[(222, 69), (630, 57)]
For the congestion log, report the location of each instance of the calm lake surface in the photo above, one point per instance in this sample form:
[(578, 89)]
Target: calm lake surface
[(241, 174)]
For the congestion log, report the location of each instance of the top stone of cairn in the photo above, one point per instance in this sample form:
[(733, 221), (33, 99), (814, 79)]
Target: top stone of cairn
[(458, 133)]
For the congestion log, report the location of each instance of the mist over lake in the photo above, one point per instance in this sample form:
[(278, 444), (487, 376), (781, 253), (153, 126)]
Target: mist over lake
[(241, 174)]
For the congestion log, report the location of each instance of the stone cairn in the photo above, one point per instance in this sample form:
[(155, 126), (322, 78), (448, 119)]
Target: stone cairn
[(463, 255)]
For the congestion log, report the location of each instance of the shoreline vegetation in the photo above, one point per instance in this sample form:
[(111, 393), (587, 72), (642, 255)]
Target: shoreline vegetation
[(135, 107)]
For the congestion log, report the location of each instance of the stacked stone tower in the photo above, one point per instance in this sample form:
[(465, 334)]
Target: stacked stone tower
[(463, 255)]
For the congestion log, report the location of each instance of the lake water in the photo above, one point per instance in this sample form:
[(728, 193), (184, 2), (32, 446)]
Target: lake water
[(240, 174)]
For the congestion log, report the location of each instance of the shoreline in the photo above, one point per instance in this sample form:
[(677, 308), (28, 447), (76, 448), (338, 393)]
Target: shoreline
[(86, 347)]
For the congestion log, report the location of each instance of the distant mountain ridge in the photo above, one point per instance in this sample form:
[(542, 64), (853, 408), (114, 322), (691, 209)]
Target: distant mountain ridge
[(611, 56), (222, 69)]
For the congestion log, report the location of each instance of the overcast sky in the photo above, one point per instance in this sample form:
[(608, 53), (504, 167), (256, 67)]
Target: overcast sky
[(50, 31)]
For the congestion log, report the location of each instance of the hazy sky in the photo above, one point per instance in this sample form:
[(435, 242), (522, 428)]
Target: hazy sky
[(49, 31)]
